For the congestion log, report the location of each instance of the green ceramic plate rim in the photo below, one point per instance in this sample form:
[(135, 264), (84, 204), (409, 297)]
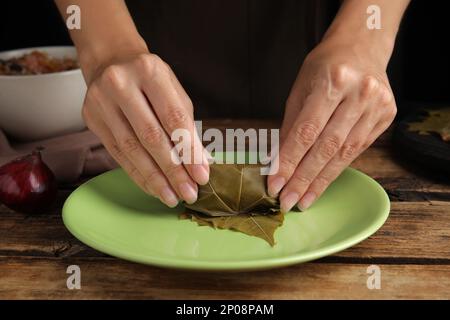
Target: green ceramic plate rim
[(224, 265)]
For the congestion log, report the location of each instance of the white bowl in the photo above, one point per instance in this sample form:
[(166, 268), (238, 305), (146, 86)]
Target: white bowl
[(34, 107)]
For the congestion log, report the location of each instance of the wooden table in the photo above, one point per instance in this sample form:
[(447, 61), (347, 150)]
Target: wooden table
[(412, 250)]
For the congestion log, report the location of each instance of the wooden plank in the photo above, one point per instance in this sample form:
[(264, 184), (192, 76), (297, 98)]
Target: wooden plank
[(415, 231), (380, 162), (410, 189), (401, 181), (33, 278), (35, 250)]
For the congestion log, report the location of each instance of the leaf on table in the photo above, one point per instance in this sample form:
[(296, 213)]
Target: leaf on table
[(261, 226), (437, 121), (236, 198)]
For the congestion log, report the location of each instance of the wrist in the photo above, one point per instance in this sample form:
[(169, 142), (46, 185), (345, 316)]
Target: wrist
[(375, 45), (94, 57), (350, 29)]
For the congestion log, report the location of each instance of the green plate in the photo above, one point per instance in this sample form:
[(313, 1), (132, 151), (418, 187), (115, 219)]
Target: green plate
[(112, 215)]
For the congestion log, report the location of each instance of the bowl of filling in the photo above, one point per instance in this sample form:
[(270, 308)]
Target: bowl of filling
[(41, 92)]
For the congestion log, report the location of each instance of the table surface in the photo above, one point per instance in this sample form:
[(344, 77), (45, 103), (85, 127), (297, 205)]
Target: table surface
[(412, 251)]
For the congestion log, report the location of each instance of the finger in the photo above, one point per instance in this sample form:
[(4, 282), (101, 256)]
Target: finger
[(159, 186), (188, 103), (109, 143), (376, 122), (93, 120), (384, 123), (173, 109), (357, 141), (153, 138), (128, 143), (317, 110), (205, 155), (119, 90), (327, 145)]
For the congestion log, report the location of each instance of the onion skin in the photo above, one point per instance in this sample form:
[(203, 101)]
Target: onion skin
[(27, 184)]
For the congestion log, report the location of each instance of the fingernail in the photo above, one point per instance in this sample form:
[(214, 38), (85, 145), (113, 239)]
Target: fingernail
[(276, 185), (307, 200), (169, 197), (201, 175), (188, 193), (288, 201)]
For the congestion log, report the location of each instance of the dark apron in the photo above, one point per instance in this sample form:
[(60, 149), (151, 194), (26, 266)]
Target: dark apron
[(235, 58)]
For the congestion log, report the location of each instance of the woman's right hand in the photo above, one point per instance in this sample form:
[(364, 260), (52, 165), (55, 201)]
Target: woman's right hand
[(133, 104)]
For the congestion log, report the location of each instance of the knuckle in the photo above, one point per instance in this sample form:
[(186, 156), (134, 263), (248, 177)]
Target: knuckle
[(369, 87), (176, 117), (306, 133), (323, 181), (150, 188), (365, 145), (114, 77), (134, 173), (164, 65), (387, 97), (152, 135), (147, 62), (349, 150), (288, 164), (151, 177), (172, 170), (129, 145), (391, 112), (153, 65), (329, 146), (339, 75), (301, 180), (116, 152)]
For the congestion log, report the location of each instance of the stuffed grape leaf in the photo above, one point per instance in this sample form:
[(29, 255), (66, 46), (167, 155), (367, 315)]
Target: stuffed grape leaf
[(236, 198)]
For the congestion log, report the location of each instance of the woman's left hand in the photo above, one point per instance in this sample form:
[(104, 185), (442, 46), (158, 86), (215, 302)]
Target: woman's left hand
[(340, 103)]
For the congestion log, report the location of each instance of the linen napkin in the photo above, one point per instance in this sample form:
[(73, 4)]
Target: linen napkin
[(69, 156)]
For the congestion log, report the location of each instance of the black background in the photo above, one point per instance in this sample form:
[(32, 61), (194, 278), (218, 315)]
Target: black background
[(419, 70), (283, 309)]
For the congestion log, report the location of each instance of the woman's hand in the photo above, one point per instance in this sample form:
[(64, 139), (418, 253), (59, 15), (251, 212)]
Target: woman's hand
[(339, 104), (133, 104)]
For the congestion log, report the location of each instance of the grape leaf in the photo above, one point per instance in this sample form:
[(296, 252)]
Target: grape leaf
[(437, 121), (236, 198), (234, 189), (261, 226)]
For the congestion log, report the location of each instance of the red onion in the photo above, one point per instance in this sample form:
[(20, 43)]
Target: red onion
[(27, 184)]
